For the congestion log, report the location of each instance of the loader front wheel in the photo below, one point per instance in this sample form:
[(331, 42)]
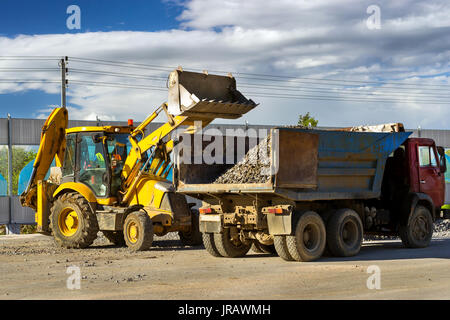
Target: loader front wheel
[(229, 245), (72, 221), (138, 231), (193, 237)]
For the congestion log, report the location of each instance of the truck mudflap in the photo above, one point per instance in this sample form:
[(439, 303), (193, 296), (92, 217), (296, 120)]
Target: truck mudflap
[(211, 223), (279, 224)]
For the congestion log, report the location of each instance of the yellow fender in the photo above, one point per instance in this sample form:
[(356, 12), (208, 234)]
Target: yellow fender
[(78, 187)]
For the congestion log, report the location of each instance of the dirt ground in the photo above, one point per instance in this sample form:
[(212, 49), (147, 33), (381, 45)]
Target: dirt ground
[(33, 267)]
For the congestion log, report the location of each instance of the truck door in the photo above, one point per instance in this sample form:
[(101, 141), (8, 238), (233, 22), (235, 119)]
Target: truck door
[(431, 180)]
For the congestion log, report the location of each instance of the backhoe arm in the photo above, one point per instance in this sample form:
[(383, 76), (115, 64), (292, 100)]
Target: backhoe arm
[(193, 97)]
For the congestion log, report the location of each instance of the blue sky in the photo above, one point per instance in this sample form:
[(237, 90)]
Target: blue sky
[(25, 17), (47, 17), (321, 39)]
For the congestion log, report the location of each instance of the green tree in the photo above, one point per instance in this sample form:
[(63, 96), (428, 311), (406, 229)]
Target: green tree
[(307, 121), (20, 158)]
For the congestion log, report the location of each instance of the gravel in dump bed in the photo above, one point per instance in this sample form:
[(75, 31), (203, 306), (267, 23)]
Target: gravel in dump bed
[(253, 168)]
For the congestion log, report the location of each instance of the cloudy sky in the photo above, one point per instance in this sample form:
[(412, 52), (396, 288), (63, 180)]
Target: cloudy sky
[(346, 62)]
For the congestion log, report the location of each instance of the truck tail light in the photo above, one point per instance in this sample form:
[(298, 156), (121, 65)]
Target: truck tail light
[(276, 210), (205, 210)]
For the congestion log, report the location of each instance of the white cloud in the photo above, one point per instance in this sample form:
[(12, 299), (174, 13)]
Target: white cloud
[(311, 39)]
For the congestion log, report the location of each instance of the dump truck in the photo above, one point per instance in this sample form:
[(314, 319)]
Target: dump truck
[(114, 178), (321, 191)]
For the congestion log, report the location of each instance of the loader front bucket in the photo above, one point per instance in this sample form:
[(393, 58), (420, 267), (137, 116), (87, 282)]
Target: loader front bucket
[(206, 96)]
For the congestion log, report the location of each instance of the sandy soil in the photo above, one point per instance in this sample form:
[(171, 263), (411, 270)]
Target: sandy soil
[(33, 267)]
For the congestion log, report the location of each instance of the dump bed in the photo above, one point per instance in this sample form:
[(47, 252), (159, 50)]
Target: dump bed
[(303, 165)]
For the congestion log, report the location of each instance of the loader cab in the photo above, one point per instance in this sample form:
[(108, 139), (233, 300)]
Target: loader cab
[(95, 157)]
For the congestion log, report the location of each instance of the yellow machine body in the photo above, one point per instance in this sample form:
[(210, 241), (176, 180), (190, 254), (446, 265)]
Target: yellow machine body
[(193, 98)]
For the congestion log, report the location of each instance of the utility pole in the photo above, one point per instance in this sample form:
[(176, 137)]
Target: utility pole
[(64, 70)]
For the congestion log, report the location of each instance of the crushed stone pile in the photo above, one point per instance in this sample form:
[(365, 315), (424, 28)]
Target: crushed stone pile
[(253, 168)]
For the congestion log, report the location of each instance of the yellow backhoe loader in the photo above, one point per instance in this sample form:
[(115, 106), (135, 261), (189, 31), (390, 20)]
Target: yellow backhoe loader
[(114, 178)]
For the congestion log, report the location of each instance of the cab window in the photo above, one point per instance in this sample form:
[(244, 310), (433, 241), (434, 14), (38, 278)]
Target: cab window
[(427, 157), (92, 163)]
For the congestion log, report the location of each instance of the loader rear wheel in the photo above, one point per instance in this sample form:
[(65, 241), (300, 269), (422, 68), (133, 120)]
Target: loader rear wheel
[(309, 239), (344, 233), (138, 231), (280, 245), (258, 247), (115, 237), (193, 237), (229, 245), (210, 246), (72, 221), (419, 230)]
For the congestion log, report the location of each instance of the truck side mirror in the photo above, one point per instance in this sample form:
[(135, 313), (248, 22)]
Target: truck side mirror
[(442, 159)]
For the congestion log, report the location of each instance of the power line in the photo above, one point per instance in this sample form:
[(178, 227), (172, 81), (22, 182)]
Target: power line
[(120, 64), (29, 57), (337, 98), (265, 77), (117, 74), (342, 91), (27, 69), (116, 85)]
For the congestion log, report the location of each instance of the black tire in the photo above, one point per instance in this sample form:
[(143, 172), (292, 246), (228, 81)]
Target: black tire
[(258, 247), (344, 233), (419, 230), (193, 237), (84, 228), (309, 239), (281, 248), (229, 248), (115, 237), (208, 242), (138, 231)]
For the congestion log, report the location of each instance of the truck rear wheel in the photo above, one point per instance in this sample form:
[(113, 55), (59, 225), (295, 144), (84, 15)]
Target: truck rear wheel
[(229, 245), (419, 230), (193, 237), (309, 239), (208, 242), (344, 233), (138, 231), (280, 245), (115, 237), (72, 221), (258, 247)]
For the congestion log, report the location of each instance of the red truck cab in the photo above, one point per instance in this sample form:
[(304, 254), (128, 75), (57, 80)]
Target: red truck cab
[(427, 168)]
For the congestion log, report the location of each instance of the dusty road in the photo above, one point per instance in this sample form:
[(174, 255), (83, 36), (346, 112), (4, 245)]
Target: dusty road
[(32, 267)]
